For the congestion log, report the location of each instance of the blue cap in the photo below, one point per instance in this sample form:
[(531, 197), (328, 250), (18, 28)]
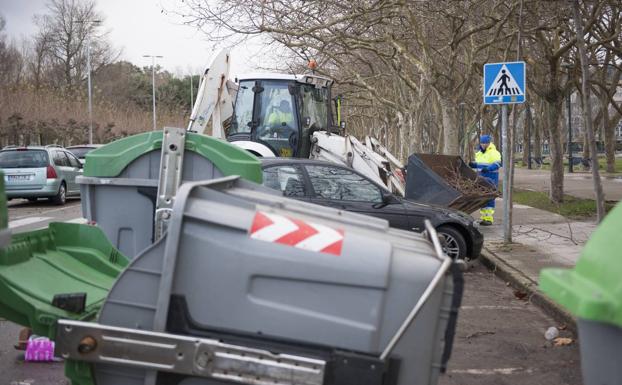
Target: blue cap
[(485, 139)]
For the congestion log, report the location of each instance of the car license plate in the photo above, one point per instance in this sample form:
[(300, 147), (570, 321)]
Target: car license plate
[(19, 177)]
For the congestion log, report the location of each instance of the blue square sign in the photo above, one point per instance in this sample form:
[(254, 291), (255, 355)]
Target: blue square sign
[(504, 83)]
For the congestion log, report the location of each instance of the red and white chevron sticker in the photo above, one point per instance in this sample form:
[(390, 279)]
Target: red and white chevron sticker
[(297, 233)]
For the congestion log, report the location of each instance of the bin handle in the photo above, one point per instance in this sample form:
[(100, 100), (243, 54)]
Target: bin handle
[(426, 294)]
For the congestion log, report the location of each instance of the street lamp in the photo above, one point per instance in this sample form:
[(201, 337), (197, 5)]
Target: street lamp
[(568, 67), (88, 72), (153, 57)]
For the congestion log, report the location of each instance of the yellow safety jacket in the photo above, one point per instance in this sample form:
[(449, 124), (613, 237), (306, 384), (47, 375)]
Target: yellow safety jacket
[(491, 159)]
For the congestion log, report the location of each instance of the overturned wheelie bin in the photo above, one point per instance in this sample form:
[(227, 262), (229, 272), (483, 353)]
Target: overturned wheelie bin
[(121, 180), (445, 180), (245, 286)]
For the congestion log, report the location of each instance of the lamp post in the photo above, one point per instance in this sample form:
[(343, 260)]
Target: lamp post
[(153, 57), (568, 67), (88, 72)]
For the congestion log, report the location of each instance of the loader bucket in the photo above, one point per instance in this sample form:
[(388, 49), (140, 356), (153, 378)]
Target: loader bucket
[(445, 180)]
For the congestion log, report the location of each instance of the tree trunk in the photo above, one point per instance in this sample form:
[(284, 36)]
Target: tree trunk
[(587, 113), (553, 113), (537, 137), (496, 132), (586, 146), (609, 127), (527, 132), (451, 140)]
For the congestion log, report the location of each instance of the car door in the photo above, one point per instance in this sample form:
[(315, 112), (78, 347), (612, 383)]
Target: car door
[(286, 178), (345, 189), (76, 170), (63, 169)]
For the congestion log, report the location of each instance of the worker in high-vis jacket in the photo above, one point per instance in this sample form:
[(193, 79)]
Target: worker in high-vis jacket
[(487, 162), (281, 115)]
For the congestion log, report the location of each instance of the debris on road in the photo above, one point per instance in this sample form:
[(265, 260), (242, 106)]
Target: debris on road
[(551, 333), (562, 341), (479, 334), (520, 294), (39, 349)]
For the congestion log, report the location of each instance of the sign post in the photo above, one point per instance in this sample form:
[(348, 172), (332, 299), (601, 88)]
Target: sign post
[(504, 83)]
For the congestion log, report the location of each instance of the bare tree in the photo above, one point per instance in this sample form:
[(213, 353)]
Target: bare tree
[(587, 110), (62, 38)]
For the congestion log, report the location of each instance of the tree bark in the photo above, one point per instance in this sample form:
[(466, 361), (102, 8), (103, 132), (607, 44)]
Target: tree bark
[(527, 133), (587, 112), (537, 137), (451, 140), (553, 113)]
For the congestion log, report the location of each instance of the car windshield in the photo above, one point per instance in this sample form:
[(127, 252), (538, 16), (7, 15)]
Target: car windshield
[(23, 158), (81, 152)]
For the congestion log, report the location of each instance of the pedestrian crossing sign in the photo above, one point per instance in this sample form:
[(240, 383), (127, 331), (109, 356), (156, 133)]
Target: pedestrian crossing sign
[(504, 83)]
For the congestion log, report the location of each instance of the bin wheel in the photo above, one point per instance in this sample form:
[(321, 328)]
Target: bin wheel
[(454, 244), (61, 197)]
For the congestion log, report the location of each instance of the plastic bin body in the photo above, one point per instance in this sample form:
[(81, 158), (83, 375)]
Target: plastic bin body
[(426, 182), (62, 259), (601, 346), (120, 182), (592, 291), (208, 276)]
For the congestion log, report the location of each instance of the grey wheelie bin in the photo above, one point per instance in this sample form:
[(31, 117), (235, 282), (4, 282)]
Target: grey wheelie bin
[(445, 180), (592, 291), (250, 287), (120, 182)]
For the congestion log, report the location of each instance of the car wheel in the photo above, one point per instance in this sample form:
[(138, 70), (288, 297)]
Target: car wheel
[(61, 197), (453, 243)]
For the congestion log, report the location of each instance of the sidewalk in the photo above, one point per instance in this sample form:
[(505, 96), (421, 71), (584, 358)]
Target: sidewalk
[(541, 239)]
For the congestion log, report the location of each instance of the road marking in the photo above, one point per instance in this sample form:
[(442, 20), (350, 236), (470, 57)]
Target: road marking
[(26, 221), (487, 372)]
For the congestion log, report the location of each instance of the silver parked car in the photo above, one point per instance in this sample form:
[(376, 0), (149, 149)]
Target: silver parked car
[(40, 172), (82, 149)]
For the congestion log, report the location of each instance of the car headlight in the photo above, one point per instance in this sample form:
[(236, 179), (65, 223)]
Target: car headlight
[(476, 224)]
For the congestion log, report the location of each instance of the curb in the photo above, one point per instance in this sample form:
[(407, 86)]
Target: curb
[(520, 281)]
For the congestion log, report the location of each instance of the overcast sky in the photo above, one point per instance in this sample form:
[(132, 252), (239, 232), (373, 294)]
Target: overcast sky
[(139, 27)]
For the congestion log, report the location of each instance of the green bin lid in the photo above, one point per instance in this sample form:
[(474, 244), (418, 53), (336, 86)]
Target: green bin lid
[(110, 160), (593, 289)]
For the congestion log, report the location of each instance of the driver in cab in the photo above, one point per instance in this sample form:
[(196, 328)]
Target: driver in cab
[(281, 116)]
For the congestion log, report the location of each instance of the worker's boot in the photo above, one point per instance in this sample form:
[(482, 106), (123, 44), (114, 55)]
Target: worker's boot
[(486, 216)]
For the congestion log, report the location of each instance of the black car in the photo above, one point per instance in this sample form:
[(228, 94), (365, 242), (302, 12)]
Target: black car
[(332, 185)]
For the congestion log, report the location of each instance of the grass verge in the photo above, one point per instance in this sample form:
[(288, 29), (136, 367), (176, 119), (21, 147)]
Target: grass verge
[(571, 207)]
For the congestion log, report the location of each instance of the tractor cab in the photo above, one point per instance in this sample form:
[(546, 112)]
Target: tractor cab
[(276, 114)]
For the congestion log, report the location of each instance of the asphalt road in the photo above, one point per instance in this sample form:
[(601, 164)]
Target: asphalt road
[(500, 339)]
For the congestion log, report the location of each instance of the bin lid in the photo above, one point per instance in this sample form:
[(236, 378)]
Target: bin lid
[(593, 289), (110, 160)]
